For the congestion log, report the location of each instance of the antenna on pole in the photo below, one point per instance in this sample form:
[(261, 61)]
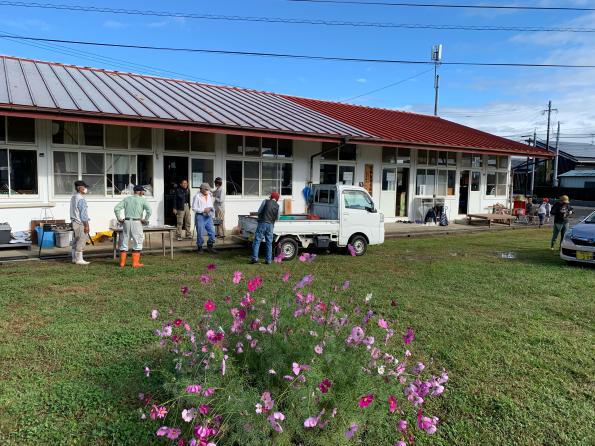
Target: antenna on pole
[(437, 58)]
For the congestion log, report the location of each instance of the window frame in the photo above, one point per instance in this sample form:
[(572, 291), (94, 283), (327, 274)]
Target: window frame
[(438, 172), (80, 133), (6, 141), (260, 156), (497, 172), (27, 147)]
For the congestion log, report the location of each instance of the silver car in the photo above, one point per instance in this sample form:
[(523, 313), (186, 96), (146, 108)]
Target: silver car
[(579, 242)]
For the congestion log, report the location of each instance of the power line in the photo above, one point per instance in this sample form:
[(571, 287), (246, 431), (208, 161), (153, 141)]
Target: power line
[(440, 5), (386, 86), (319, 22), (296, 56)]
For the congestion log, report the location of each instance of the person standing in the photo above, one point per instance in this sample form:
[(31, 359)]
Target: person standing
[(561, 210), (182, 210), (134, 207), (268, 213), (219, 202), (79, 219), (544, 210), (202, 204)]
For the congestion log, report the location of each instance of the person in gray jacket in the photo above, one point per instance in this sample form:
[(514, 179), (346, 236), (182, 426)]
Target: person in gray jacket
[(79, 219), (268, 213)]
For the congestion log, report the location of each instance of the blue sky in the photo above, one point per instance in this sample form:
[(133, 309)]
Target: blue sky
[(502, 100)]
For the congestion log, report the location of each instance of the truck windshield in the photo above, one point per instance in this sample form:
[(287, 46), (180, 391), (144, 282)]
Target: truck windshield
[(355, 199)]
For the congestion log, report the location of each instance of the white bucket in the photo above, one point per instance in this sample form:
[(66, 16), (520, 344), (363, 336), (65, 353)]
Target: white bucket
[(63, 239)]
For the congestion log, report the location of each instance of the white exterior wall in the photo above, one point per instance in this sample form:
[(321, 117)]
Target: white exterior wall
[(18, 211)]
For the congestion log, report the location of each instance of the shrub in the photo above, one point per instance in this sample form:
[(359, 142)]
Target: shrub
[(276, 364)]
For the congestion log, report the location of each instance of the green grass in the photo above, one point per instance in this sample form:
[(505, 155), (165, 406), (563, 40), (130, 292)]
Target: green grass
[(516, 336)]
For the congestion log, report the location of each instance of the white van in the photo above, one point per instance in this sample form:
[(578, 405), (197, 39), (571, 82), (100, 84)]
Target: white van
[(337, 216)]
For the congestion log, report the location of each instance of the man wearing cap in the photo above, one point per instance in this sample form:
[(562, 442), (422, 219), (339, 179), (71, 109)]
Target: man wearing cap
[(561, 211), (268, 213), (133, 206), (79, 218), (202, 204), (218, 201), (182, 210)]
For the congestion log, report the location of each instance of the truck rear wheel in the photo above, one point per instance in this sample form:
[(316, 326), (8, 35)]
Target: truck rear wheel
[(288, 247), (359, 244)]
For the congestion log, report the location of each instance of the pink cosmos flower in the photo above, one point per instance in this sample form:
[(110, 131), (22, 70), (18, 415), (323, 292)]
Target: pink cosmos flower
[(402, 426), (204, 409), (400, 443), (351, 431), (409, 336), (295, 367), (366, 400), (193, 388), (211, 267), (184, 290), (162, 431), (418, 368), (237, 277), (158, 412), (286, 277), (174, 433), (209, 392), (210, 306), (279, 258), (427, 424), (254, 284), (154, 314), (188, 415), (346, 284), (351, 250), (318, 349), (383, 324), (392, 404), (310, 422), (205, 278), (307, 257)]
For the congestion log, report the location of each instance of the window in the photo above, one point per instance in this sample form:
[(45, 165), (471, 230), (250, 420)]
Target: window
[(176, 140), (235, 145), (64, 132), (445, 182), (389, 180), (140, 138), (346, 175), (496, 183), (93, 172), (122, 172), (144, 168), (392, 155), (116, 137), (277, 177), (18, 172), (502, 162), (345, 153), (91, 135), (328, 174), (233, 177), (422, 157), (254, 146), (251, 178), (202, 172), (20, 130), (2, 129), (355, 199), (66, 172), (325, 196), (472, 161), (436, 158), (475, 181), (202, 142), (425, 181), (404, 156)]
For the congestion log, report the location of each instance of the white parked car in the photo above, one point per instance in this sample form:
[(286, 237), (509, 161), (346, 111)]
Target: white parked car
[(337, 216), (579, 242)]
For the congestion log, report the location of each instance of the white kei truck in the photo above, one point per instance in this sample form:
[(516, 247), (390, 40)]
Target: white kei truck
[(337, 216)]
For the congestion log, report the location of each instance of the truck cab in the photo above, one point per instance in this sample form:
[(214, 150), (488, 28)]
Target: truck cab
[(337, 216)]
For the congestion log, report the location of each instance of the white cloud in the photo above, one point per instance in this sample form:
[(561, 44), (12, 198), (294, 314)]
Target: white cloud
[(26, 24), (114, 24), (361, 80)]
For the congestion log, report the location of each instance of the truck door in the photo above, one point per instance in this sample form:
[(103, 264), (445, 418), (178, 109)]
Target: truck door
[(356, 215)]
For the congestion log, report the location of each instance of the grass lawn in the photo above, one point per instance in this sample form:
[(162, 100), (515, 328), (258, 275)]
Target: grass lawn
[(516, 335)]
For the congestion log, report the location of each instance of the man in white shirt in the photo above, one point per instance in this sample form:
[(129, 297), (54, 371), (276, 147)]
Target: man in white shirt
[(202, 204)]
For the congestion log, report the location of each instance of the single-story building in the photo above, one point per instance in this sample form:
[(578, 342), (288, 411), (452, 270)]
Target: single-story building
[(580, 178), (60, 123)]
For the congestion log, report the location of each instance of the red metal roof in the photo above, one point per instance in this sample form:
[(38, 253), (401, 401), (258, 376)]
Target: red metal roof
[(415, 129), (38, 87)]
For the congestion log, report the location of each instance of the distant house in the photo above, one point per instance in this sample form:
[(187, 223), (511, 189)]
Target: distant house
[(580, 178), (60, 123)]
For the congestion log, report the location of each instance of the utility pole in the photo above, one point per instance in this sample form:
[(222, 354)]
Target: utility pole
[(436, 57), (533, 164), (555, 181), (549, 116)]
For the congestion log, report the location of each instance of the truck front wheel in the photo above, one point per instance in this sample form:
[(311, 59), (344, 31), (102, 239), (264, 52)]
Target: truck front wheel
[(288, 247), (359, 244)]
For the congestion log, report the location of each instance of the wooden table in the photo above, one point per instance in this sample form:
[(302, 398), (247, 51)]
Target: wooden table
[(149, 230), (492, 218)]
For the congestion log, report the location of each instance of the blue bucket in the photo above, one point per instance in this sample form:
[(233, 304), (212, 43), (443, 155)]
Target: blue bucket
[(48, 238)]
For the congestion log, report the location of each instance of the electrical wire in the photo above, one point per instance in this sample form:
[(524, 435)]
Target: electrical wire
[(393, 84), (296, 56), (446, 5), (343, 23)]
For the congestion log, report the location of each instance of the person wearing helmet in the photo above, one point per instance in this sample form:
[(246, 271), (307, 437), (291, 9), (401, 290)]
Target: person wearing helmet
[(132, 224), (561, 211), (79, 219), (268, 213)]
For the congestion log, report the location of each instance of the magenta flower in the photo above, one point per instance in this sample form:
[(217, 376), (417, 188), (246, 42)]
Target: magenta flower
[(427, 424), (237, 277), (184, 290), (204, 409), (210, 306), (351, 431), (286, 277), (254, 284), (383, 324), (307, 257), (279, 258), (351, 250), (158, 412), (205, 278), (311, 422), (366, 400), (209, 392), (392, 404), (400, 443), (409, 336), (193, 388), (274, 419), (318, 349), (211, 267), (418, 368), (402, 426), (325, 385), (346, 285)]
